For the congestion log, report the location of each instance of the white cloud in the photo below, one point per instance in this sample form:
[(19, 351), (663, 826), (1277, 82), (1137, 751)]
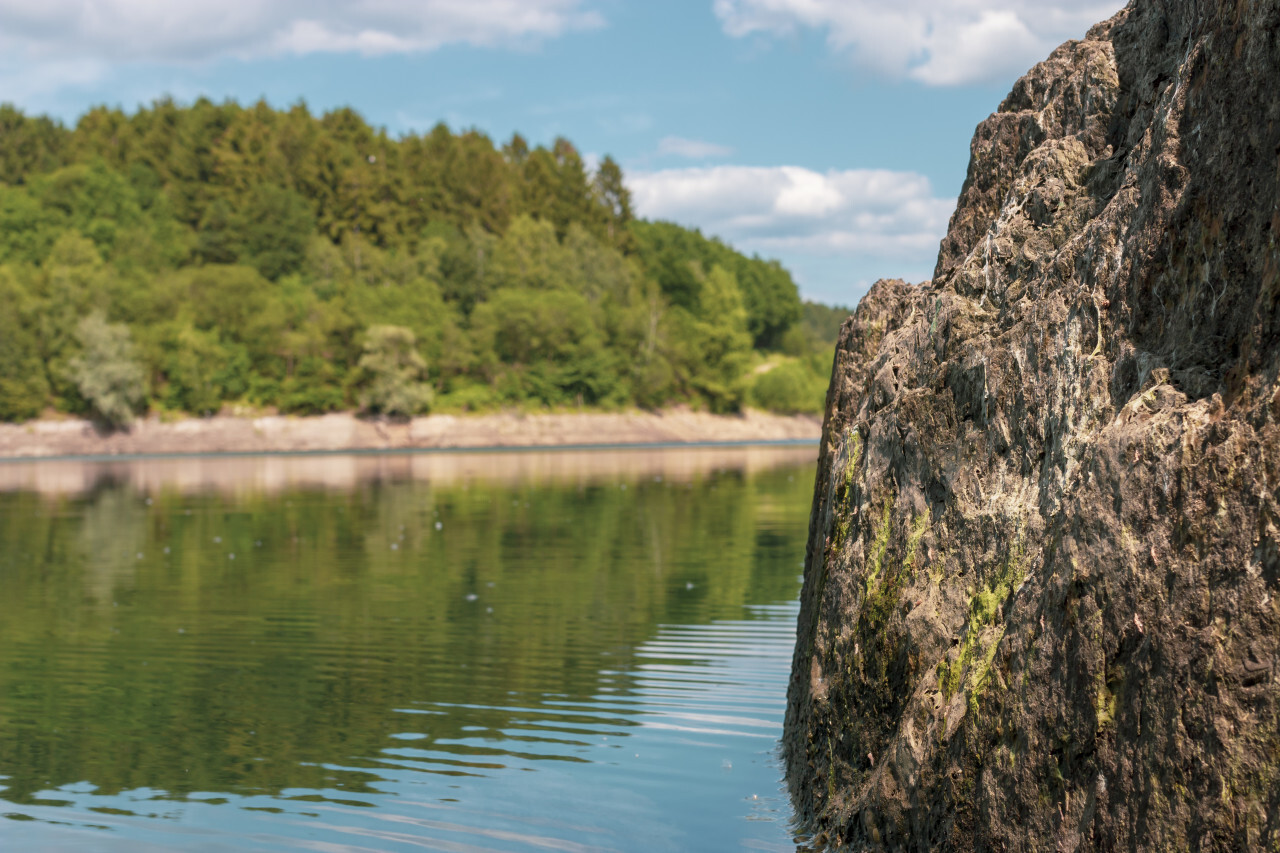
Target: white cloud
[(692, 149), (109, 31), (938, 42), (21, 82), (785, 211), (976, 45)]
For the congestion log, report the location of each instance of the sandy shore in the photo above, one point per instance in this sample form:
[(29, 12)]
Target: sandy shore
[(343, 431)]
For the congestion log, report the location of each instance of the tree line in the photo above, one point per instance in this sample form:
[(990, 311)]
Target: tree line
[(186, 258)]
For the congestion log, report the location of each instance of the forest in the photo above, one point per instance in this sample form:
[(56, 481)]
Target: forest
[(195, 259)]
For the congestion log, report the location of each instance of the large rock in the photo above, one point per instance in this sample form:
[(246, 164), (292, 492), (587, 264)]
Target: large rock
[(1041, 606)]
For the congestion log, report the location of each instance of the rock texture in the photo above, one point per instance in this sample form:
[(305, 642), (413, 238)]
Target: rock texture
[(1041, 607)]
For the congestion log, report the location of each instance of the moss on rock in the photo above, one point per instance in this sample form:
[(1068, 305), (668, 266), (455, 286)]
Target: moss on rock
[(1042, 588)]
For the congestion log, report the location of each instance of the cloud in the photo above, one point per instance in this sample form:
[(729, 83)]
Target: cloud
[(938, 42), (692, 149), (25, 81), (859, 214), (113, 31)]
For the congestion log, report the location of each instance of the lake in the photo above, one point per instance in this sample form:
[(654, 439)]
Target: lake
[(561, 651)]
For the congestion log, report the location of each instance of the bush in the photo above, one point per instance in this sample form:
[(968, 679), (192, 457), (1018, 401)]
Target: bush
[(106, 372), (469, 397), (790, 388), (202, 371), (544, 346), (313, 389), (390, 373), (24, 388)]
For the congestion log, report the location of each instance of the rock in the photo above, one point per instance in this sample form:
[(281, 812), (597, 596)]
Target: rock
[(1042, 584)]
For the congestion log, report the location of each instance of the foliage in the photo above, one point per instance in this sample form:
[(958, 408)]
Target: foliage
[(544, 345), (721, 341), (678, 259), (24, 389), (792, 387), (822, 322), (276, 227), (390, 373), (106, 372), (247, 249), (202, 370)]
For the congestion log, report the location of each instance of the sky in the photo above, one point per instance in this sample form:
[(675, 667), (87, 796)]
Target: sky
[(832, 135)]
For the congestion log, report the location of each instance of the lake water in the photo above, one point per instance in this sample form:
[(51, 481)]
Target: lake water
[(444, 652)]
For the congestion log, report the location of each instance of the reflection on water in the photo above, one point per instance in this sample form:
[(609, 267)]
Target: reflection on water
[(280, 472), (482, 652)]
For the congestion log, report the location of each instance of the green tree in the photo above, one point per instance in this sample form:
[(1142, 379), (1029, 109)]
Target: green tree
[(106, 371), (673, 257), (529, 255), (678, 259), (543, 345), (93, 199), (822, 323), (24, 388), (711, 350), (770, 298), (554, 187), (247, 248), (106, 134), (201, 371), (274, 231), (72, 281), (479, 181), (179, 144), (28, 229), (404, 291), (217, 237), (247, 154), (313, 387), (28, 146), (391, 373), (791, 388), (613, 195), (232, 299), (597, 270)]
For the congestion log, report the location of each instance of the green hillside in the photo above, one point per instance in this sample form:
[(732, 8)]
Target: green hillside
[(187, 258)]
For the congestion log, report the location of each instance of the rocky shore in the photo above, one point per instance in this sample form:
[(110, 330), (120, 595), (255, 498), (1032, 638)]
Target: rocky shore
[(344, 431)]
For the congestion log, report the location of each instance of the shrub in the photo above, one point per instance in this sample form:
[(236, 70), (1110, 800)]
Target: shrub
[(106, 372), (791, 388), (313, 389), (390, 373), (468, 397), (202, 371), (24, 388)]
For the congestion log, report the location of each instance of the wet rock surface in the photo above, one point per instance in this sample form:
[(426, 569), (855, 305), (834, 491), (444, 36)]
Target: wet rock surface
[(1041, 607)]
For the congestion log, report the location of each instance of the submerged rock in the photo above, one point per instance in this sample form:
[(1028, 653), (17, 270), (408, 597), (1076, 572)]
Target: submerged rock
[(1041, 607)]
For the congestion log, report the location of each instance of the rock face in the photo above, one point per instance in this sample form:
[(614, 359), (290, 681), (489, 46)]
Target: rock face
[(1041, 607)]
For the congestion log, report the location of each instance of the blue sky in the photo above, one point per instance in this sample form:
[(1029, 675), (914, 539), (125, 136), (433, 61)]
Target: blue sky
[(831, 134)]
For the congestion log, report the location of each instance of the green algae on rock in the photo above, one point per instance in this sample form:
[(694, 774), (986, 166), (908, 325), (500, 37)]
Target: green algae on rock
[(1041, 607)]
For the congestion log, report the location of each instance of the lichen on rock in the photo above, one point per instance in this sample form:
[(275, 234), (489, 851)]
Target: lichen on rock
[(1041, 607)]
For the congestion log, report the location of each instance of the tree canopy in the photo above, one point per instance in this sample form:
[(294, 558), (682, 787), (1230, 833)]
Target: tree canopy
[(248, 255)]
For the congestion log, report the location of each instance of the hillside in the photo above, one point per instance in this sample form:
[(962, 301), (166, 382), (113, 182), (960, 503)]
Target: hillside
[(183, 259)]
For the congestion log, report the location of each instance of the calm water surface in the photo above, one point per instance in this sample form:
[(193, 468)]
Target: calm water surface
[(543, 652)]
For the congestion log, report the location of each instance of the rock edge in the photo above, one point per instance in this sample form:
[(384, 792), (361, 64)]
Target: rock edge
[(1041, 607)]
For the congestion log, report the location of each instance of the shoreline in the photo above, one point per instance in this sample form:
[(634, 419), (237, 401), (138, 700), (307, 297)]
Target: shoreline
[(343, 432)]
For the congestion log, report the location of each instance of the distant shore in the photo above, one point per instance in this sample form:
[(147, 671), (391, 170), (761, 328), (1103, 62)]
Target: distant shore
[(345, 432)]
